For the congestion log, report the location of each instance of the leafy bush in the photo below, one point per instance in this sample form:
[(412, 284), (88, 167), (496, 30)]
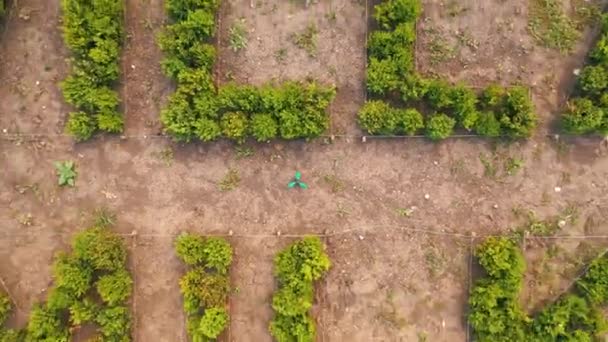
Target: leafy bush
[(296, 268), (464, 106), (488, 125), (46, 325), (205, 287), (518, 118), (593, 80), (409, 121), (439, 126), (92, 30), (264, 127), (391, 13), (190, 248), (235, 126), (114, 323), (377, 117), (213, 322), (5, 310), (100, 248), (582, 116), (80, 126), (115, 288), (72, 274)]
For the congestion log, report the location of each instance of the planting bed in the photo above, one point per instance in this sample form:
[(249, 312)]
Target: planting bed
[(380, 285)]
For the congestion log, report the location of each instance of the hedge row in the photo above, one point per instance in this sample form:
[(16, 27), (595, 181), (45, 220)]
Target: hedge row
[(7, 335), (198, 110), (495, 312), (206, 285), (92, 30), (391, 72), (296, 269), (587, 112), (92, 286)]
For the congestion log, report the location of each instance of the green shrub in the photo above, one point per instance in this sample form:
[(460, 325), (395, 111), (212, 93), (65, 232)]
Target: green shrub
[(439, 94), (83, 312), (60, 298), (72, 274), (115, 288), (414, 87), (599, 54), (5, 308), (45, 325), (382, 76), (80, 126), (593, 80), (594, 284), (110, 122), (101, 248), (582, 116), (391, 13), (235, 126), (190, 248), (384, 44), (464, 106), (439, 126), (378, 117), (518, 118), (492, 96), (264, 127), (213, 322), (488, 125), (409, 121), (218, 255), (114, 323)]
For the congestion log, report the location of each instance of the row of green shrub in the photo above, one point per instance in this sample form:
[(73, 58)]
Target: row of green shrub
[(92, 30), (7, 335), (391, 73), (587, 112), (198, 110), (91, 286), (206, 285), (296, 269), (497, 112), (496, 315)]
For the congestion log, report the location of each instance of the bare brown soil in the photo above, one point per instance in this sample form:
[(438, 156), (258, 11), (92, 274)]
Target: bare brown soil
[(387, 282)]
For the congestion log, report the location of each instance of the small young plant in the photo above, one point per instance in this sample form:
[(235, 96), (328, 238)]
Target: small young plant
[(66, 173), (238, 35), (513, 165), (307, 40), (230, 181)]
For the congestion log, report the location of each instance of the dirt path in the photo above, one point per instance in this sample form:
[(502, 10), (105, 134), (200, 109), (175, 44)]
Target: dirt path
[(32, 60), (144, 85)]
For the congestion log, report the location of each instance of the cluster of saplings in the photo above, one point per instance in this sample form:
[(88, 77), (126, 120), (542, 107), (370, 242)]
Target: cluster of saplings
[(198, 109), (92, 286), (92, 30), (496, 314), (587, 112), (296, 269), (206, 285), (391, 74)]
